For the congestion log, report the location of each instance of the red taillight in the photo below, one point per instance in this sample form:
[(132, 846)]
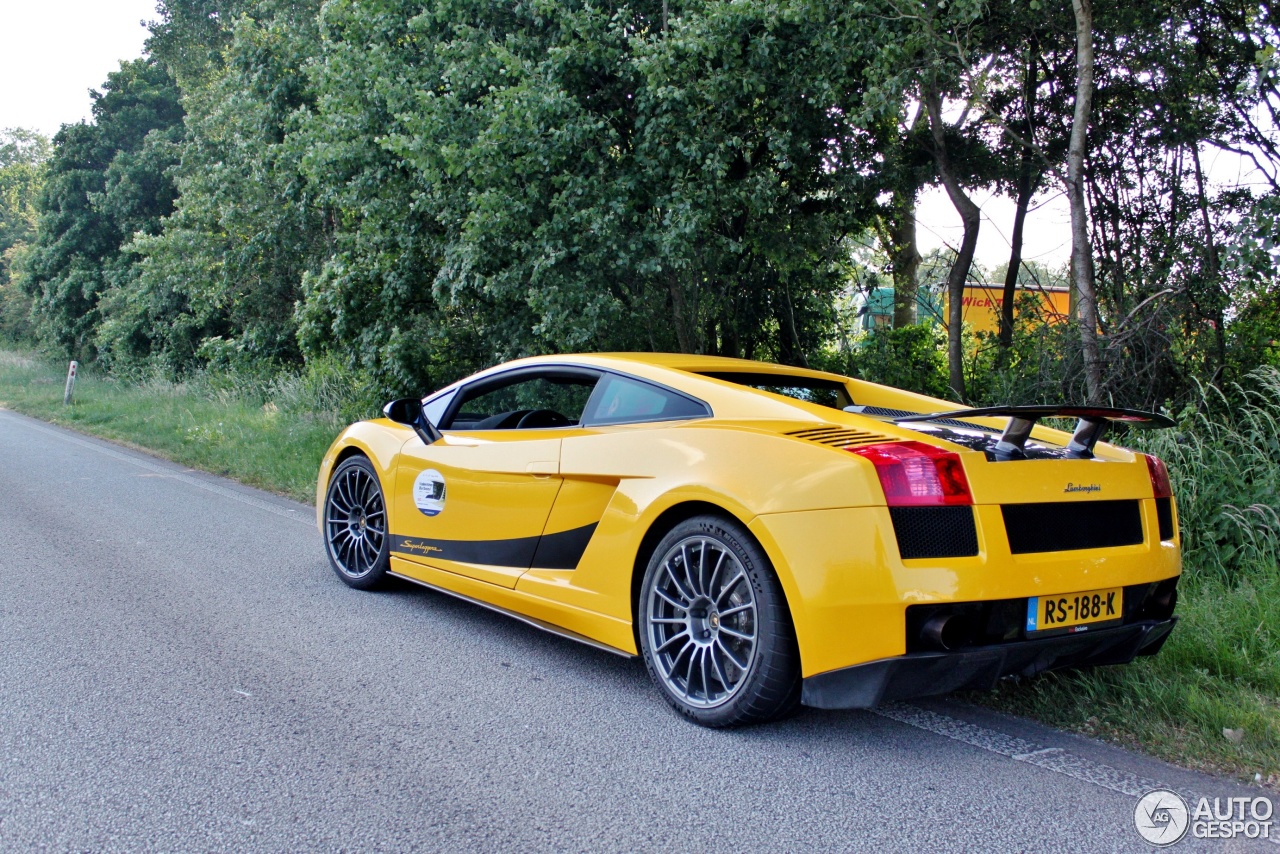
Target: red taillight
[(1159, 477), (914, 474)]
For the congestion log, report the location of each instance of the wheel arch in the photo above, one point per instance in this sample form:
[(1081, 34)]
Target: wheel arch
[(345, 454), (672, 516), (358, 545), (377, 441)]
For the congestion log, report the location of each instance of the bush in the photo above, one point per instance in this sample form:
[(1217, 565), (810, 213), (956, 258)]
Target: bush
[(911, 357), (1224, 462)]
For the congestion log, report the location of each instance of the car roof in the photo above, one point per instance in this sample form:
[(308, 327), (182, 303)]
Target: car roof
[(691, 363), (684, 371)]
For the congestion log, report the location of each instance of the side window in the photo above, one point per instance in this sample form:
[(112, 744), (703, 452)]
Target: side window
[(435, 409), (623, 400), (525, 402)]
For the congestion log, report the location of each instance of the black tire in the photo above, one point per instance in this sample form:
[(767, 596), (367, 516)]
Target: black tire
[(355, 524), (715, 631)]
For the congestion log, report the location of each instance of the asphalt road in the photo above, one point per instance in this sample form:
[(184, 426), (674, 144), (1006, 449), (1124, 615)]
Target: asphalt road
[(182, 671)]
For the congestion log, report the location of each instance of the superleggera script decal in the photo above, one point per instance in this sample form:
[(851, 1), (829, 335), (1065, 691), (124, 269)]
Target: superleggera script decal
[(562, 550)]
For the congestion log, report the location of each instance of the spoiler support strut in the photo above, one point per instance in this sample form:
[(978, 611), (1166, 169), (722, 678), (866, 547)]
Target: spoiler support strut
[(1092, 424)]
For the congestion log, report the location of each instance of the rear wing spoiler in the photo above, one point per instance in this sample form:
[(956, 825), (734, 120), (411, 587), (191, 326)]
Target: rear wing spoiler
[(1093, 422)]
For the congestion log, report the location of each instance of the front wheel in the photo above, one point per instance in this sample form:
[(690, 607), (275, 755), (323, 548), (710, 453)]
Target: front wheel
[(355, 524), (715, 630)]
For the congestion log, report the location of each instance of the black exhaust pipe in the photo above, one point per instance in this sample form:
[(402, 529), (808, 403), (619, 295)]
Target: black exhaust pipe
[(1163, 600), (946, 631)]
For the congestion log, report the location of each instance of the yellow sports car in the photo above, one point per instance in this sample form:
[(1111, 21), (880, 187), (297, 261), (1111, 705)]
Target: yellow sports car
[(764, 535)]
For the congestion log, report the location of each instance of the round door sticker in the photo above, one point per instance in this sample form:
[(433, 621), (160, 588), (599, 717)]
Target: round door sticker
[(428, 492)]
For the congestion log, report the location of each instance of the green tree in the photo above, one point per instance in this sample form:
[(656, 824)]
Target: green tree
[(568, 176), (22, 157), (222, 278), (1164, 94), (423, 189), (105, 182)]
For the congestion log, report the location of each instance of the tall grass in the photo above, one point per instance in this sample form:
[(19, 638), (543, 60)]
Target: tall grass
[(323, 390), (1224, 462), (266, 429)]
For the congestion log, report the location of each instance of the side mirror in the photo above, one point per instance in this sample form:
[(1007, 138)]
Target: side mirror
[(408, 411)]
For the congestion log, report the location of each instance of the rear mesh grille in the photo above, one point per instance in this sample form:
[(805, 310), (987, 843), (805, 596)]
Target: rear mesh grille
[(1067, 526), (1164, 515), (839, 437), (934, 531)]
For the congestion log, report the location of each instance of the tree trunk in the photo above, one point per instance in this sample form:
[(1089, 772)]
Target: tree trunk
[(1027, 181), (1212, 268), (680, 319), (905, 258), (1015, 257), (971, 217), (1082, 271), (790, 350)]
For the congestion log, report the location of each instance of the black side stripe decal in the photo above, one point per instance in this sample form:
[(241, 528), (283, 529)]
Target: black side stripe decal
[(563, 550), (551, 551)]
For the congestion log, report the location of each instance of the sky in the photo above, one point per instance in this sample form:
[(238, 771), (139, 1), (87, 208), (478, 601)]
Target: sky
[(52, 52), (1046, 235)]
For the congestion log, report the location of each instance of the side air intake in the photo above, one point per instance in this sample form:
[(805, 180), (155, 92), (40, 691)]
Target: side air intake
[(839, 437)]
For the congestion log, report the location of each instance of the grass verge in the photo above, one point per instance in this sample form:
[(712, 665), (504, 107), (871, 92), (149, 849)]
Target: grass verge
[(271, 445), (1210, 700)]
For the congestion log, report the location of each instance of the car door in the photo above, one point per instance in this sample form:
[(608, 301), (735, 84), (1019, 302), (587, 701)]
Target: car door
[(577, 563), (476, 501)]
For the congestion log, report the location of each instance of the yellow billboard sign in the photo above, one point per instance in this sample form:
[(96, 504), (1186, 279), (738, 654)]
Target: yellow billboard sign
[(982, 302)]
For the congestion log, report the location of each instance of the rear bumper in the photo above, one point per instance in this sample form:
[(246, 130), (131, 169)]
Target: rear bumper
[(924, 674)]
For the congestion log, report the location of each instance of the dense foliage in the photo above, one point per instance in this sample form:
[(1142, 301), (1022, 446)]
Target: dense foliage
[(418, 189), (105, 182), (22, 157)]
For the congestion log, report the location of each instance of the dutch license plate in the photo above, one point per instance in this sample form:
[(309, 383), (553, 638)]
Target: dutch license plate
[(1074, 611)]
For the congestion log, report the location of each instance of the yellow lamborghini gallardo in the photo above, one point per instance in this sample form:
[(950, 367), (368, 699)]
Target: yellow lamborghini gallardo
[(764, 535)]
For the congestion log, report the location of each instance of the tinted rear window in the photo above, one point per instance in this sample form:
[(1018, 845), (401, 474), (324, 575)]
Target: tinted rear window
[(809, 389)]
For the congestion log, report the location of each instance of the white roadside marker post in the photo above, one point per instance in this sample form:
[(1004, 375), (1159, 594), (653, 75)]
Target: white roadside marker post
[(71, 383)]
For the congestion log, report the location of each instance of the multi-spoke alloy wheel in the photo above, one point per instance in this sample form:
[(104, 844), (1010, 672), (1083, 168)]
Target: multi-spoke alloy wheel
[(355, 524), (715, 631), (702, 622)]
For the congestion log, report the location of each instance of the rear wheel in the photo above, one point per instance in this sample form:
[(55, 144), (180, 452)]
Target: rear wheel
[(355, 524), (715, 631)]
